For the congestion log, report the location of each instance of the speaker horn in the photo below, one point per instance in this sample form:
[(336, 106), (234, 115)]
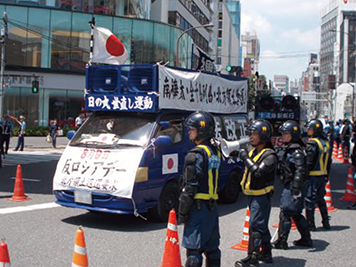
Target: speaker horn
[(229, 146), (266, 103), (289, 102)]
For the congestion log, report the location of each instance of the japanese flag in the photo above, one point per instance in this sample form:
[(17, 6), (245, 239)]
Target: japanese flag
[(169, 163), (108, 48)]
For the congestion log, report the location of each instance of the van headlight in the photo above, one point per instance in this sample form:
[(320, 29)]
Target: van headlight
[(141, 174)]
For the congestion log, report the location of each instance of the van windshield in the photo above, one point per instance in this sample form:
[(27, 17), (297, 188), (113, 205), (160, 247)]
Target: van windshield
[(102, 130)]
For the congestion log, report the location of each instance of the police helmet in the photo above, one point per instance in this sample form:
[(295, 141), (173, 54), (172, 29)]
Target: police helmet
[(204, 123), (317, 125), (293, 128), (263, 128)]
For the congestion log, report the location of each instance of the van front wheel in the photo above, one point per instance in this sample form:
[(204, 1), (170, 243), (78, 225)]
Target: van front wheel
[(232, 188), (168, 200)]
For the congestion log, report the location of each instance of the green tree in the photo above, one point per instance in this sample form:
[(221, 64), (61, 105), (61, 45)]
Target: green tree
[(252, 90)]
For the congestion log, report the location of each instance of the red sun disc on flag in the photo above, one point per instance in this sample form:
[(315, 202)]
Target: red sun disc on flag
[(114, 46), (170, 163)]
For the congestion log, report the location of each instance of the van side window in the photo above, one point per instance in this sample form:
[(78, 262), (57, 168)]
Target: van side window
[(174, 131)]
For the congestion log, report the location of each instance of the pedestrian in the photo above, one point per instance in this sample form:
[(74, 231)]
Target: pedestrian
[(197, 207), (53, 132), (257, 183), (7, 131), (337, 133), (318, 163), (21, 139), (78, 121), (345, 135), (329, 132), (293, 174)]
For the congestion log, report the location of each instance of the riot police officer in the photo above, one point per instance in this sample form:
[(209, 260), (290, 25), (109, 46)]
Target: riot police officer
[(318, 163), (293, 173), (198, 207), (257, 184)]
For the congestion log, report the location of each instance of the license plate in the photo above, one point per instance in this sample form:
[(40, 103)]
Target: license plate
[(83, 197)]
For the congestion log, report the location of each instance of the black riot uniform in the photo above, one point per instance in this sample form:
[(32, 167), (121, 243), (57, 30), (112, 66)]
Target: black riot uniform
[(318, 162), (293, 174), (257, 184), (198, 207)]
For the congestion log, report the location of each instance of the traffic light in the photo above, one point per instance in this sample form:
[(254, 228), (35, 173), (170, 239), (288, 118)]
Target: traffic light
[(35, 87)]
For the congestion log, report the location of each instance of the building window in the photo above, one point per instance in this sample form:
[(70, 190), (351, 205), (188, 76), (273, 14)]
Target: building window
[(220, 34), (219, 42), (218, 60), (220, 24), (220, 15)]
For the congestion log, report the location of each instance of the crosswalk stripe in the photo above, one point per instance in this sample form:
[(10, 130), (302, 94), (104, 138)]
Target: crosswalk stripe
[(29, 208)]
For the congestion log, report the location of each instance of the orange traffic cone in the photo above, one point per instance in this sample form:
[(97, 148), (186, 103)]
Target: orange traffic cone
[(19, 191), (328, 199), (243, 245), (334, 155), (80, 258), (349, 192), (346, 156), (293, 227), (4, 255), (171, 255), (339, 153)]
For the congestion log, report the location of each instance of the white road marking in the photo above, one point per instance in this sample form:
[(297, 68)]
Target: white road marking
[(29, 208), (27, 179)]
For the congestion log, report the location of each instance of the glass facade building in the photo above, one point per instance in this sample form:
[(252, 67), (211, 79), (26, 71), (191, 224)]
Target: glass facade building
[(50, 41)]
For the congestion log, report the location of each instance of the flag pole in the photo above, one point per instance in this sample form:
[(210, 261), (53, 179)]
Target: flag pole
[(92, 26)]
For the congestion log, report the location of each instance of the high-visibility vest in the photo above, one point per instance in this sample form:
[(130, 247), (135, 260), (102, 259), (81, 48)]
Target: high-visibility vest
[(320, 168), (246, 180), (208, 188)]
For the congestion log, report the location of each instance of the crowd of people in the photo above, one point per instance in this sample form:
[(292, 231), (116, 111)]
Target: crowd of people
[(303, 170)]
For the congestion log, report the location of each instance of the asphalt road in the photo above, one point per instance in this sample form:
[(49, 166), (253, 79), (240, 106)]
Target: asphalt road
[(45, 237)]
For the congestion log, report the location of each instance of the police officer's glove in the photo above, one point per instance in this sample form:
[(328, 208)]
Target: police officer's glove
[(183, 218), (243, 155), (296, 192)]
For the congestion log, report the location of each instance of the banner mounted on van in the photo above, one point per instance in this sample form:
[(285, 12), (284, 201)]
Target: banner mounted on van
[(199, 91), (98, 170)]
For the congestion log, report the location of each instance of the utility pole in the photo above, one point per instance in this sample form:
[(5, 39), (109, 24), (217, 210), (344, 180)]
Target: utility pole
[(3, 62)]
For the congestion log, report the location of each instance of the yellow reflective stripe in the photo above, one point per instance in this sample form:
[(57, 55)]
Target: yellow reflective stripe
[(259, 192), (323, 165), (246, 187), (212, 191)]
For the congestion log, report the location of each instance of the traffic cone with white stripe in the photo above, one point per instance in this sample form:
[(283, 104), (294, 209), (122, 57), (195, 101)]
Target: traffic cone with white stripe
[(171, 255), (339, 153), (4, 255), (334, 155), (243, 245), (349, 192), (346, 156), (328, 198), (80, 258)]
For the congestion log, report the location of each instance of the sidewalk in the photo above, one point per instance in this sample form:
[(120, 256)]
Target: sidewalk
[(34, 143)]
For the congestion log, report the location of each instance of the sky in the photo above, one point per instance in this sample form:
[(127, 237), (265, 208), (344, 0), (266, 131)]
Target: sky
[(288, 30)]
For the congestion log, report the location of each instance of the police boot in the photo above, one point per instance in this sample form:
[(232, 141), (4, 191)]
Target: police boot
[(266, 253), (325, 218), (281, 242), (309, 214), (249, 261), (305, 241)]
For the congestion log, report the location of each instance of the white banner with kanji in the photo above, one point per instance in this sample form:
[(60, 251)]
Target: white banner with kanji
[(98, 170), (191, 90)]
